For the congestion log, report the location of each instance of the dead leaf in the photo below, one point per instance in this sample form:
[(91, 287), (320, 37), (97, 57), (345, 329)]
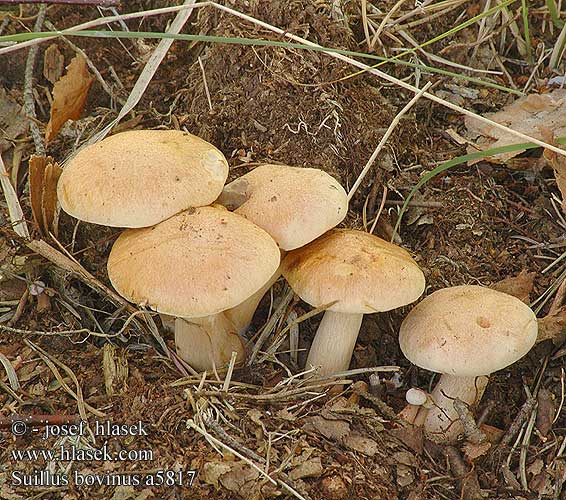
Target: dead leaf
[(44, 174), (13, 121), (309, 468), (524, 115), (545, 412), (475, 450), (411, 436), (360, 443), (333, 488), (69, 96), (330, 429), (519, 286), (556, 161), (53, 63), (553, 327)]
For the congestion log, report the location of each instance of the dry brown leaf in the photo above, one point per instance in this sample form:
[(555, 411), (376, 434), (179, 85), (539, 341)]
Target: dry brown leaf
[(557, 162), (360, 443), (333, 488), (69, 96), (525, 115), (330, 429), (49, 198), (545, 411), (53, 63), (519, 286), (44, 174), (310, 468), (553, 327), (475, 450)]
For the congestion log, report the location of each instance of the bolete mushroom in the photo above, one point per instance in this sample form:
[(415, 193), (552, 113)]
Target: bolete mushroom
[(195, 264), (294, 205), (141, 177), (465, 333), (357, 273)]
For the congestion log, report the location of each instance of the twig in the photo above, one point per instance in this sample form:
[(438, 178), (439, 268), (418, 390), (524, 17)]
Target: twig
[(205, 83), (525, 448), (471, 430), (226, 384), (383, 407), (14, 208), (29, 102), (514, 428), (192, 425), (10, 371), (20, 308), (385, 138), (78, 396), (215, 426)]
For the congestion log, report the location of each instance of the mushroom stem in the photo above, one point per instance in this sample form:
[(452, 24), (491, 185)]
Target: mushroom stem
[(442, 423), (241, 316), (207, 343), (334, 342)]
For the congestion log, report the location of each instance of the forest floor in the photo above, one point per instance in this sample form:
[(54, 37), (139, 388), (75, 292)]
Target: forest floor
[(73, 348)]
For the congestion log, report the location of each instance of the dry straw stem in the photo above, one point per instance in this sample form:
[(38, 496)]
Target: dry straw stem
[(14, 208), (385, 138)]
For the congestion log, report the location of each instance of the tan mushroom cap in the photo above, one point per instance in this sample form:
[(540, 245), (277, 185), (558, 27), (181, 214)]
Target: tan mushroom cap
[(197, 263), (294, 205), (468, 331), (141, 177), (362, 272)]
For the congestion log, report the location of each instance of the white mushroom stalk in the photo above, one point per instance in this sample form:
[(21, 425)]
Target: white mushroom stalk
[(207, 343), (331, 352)]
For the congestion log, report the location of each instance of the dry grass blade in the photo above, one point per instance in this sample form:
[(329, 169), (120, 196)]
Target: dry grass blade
[(14, 208), (12, 375)]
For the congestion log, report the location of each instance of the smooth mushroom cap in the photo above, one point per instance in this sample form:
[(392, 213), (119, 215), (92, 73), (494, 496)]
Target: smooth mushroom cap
[(197, 263), (362, 272), (468, 331), (141, 177), (294, 205)]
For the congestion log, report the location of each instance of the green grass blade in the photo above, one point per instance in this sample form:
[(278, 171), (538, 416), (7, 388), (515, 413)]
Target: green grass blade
[(24, 37), (443, 167)]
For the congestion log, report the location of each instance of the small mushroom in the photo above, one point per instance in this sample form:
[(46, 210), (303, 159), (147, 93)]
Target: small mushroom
[(357, 273), (195, 265), (294, 205), (141, 177), (466, 333)]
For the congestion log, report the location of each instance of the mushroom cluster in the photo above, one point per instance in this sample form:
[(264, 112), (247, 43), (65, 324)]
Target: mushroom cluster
[(205, 253), (195, 249)]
